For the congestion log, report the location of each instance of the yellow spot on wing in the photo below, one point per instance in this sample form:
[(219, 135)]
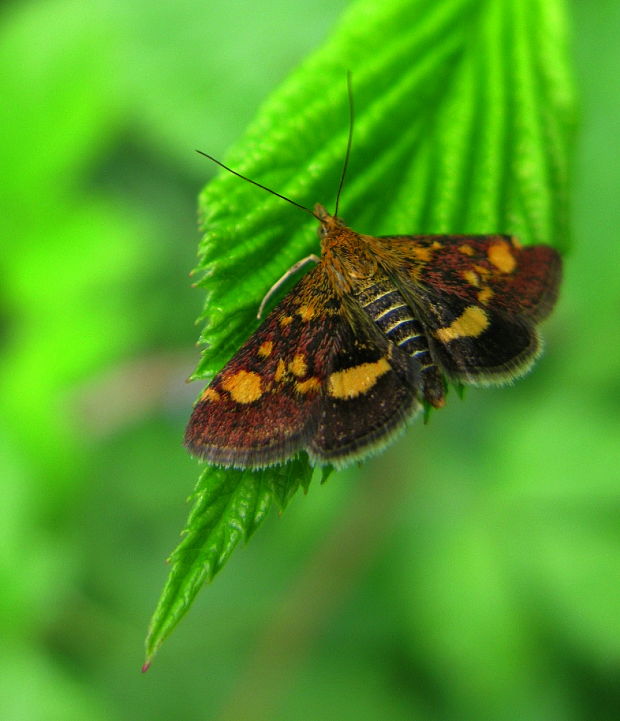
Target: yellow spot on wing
[(210, 394), (306, 312), (422, 253), (265, 349), (500, 255), (481, 270), (466, 249), (286, 320), (470, 324), (298, 366), (243, 386), (280, 371), (312, 384), (471, 277), (485, 295), (354, 381)]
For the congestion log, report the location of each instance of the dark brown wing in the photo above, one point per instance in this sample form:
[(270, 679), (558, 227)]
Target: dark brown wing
[(306, 380), (261, 408), (480, 299), (370, 393)]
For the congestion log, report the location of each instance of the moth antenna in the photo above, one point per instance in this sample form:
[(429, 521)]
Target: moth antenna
[(278, 284), (349, 141), (264, 187)]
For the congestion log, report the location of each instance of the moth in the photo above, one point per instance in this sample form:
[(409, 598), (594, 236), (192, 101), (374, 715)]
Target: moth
[(370, 336)]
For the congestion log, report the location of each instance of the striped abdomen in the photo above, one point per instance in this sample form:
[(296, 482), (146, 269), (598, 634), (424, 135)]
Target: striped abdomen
[(388, 309)]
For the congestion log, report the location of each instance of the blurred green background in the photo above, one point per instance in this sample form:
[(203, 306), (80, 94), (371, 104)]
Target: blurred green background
[(488, 583)]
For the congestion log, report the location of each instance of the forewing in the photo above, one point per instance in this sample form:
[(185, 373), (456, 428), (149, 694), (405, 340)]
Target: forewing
[(262, 407)]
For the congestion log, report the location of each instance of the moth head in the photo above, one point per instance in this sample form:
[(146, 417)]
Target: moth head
[(328, 223)]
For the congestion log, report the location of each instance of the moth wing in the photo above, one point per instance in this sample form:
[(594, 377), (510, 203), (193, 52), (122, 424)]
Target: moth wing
[(475, 344), (480, 299), (370, 393), (310, 378), (260, 409)]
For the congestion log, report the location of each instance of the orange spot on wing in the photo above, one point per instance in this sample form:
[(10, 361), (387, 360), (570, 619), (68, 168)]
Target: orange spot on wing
[(312, 384), (265, 349), (210, 394), (500, 255), (285, 320), (298, 366), (306, 312), (280, 371), (422, 253), (471, 277), (481, 270), (485, 295), (466, 249), (243, 386)]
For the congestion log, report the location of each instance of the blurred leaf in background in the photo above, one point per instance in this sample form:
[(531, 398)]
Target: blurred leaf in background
[(492, 590)]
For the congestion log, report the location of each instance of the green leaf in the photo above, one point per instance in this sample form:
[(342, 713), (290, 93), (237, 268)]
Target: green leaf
[(285, 480), (463, 123), (229, 505)]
